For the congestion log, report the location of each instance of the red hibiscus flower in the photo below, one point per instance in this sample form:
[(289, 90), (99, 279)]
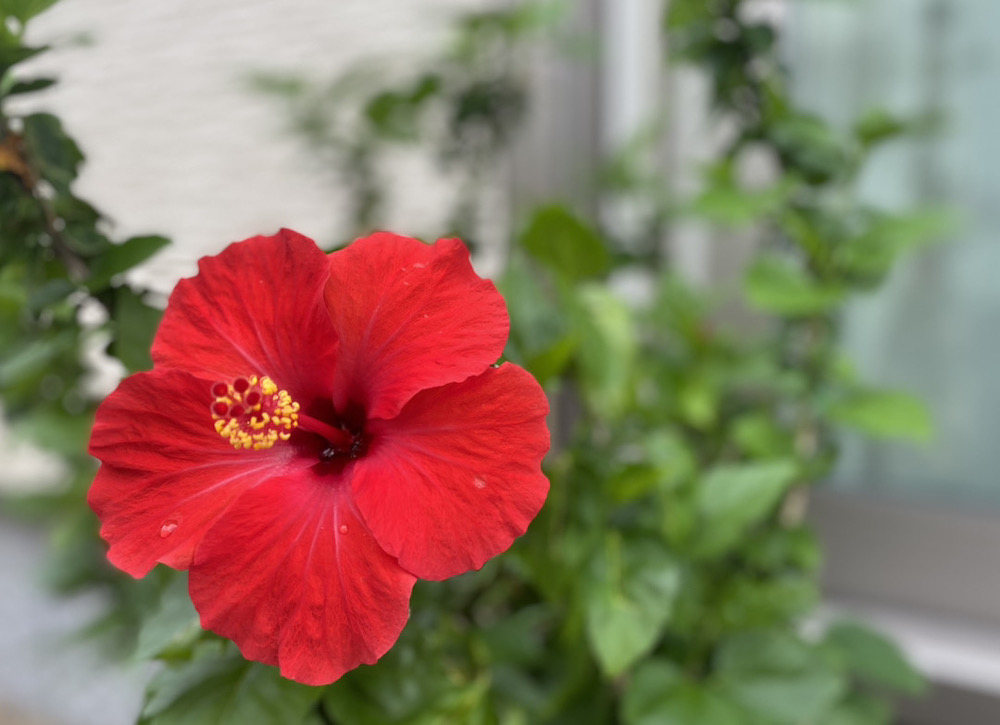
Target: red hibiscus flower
[(318, 431)]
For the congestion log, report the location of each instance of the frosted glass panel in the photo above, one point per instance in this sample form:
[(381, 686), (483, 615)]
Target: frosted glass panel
[(935, 328)]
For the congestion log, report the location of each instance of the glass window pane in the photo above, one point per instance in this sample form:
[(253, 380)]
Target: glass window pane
[(934, 328)]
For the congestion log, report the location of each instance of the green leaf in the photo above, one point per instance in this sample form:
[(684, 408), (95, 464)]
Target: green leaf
[(35, 84), (884, 413), (775, 285), (733, 206), (776, 679), (31, 358), (56, 430), (24, 10), (123, 257), (760, 436), (173, 627), (859, 708), (871, 657), (887, 237), (135, 324), (657, 694), (681, 13), (535, 319), (698, 401), (878, 125), (629, 601), (808, 147), (221, 688), (518, 637), (55, 290), (914, 230), (564, 244), (554, 360), (667, 462), (608, 348), (414, 684), (57, 154), (733, 497), (11, 55)]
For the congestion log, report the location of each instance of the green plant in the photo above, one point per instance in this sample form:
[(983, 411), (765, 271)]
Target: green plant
[(62, 292), (668, 576)]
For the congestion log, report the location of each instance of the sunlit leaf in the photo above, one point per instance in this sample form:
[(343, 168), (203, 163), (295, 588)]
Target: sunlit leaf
[(24, 10), (608, 347), (629, 601), (884, 413), (775, 285), (733, 497)]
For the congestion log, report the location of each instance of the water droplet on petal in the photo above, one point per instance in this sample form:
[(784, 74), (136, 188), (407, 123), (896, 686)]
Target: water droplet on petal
[(168, 528), (419, 265), (343, 528), (479, 482)]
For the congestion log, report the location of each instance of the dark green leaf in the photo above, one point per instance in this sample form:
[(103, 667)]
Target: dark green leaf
[(807, 145), (564, 244), (658, 694), (56, 154), (859, 708), (35, 84), (55, 290), (879, 125), (31, 358), (173, 627), (219, 687), (870, 656), (123, 257), (135, 323), (777, 679), (552, 361), (11, 55)]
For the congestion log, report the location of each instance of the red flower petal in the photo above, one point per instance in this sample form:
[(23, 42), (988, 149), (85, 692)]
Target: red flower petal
[(456, 476), (254, 309), (166, 474), (409, 316), (291, 574)]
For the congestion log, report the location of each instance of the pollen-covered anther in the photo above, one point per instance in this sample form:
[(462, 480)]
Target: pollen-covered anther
[(253, 413)]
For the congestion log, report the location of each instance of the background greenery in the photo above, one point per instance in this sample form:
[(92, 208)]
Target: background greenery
[(667, 579)]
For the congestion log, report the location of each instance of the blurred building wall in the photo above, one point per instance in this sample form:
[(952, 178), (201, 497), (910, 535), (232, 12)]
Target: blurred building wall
[(178, 143)]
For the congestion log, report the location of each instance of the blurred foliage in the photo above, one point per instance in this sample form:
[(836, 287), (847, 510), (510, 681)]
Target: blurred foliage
[(63, 298), (667, 578)]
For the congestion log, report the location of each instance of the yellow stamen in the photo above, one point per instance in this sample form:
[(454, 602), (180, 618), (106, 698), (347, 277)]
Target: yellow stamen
[(258, 426)]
